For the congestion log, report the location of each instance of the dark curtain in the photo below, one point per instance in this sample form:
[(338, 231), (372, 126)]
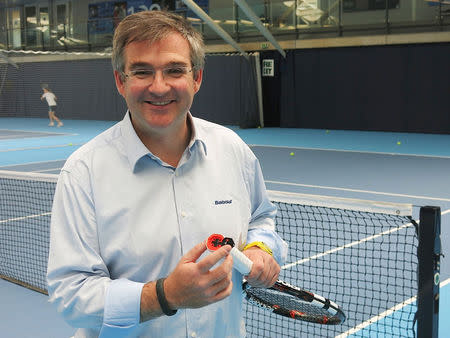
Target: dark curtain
[(404, 88), (86, 90)]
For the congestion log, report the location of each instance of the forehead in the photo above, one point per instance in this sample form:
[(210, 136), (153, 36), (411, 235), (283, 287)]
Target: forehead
[(173, 48)]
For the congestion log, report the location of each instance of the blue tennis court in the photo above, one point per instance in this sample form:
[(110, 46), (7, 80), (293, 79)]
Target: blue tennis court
[(376, 166)]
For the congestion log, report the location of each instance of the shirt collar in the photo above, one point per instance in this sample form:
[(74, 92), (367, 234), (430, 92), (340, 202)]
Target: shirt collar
[(197, 135), (136, 150)]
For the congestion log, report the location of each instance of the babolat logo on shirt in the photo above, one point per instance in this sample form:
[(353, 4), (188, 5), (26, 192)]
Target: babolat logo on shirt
[(222, 202)]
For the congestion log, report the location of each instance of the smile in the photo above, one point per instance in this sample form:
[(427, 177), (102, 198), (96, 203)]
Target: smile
[(159, 103)]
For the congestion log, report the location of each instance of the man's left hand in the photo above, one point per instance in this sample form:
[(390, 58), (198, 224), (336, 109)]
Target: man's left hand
[(265, 268)]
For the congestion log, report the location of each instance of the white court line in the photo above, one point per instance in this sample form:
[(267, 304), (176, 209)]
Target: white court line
[(348, 245), (359, 191), (45, 170), (41, 147), (389, 311), (6, 137), (25, 217), (376, 318), (383, 314), (23, 131), (350, 151), (29, 163)]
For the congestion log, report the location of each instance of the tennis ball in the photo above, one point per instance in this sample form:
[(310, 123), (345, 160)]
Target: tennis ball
[(327, 131), (398, 143), (70, 144), (292, 154)]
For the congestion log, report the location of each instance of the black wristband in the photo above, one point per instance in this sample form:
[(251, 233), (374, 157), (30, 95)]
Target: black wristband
[(162, 298)]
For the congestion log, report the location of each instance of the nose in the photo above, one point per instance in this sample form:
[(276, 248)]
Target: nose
[(159, 85)]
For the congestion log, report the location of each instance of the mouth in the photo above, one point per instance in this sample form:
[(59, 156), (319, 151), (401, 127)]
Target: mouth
[(160, 103)]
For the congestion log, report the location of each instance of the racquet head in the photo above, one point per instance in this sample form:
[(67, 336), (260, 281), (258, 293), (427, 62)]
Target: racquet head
[(290, 301)]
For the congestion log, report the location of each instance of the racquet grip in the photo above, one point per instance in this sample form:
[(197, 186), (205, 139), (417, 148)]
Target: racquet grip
[(241, 262)]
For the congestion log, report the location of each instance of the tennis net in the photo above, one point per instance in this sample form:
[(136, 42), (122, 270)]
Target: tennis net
[(366, 256)]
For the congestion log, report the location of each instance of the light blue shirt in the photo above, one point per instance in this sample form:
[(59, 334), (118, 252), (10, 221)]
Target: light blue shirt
[(122, 217)]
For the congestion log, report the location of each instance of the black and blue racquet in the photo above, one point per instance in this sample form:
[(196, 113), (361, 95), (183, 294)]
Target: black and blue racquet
[(282, 298)]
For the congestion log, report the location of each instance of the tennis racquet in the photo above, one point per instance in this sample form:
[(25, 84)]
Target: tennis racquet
[(282, 298)]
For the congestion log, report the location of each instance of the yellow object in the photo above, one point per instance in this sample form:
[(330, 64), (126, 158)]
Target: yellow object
[(260, 245), (399, 143), (292, 154)]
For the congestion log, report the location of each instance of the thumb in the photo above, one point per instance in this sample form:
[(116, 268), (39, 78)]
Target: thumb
[(195, 253)]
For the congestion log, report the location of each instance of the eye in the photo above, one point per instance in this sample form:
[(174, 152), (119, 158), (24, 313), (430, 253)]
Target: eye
[(176, 71), (142, 73)]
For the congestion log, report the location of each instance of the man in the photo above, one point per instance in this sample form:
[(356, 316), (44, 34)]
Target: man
[(134, 206)]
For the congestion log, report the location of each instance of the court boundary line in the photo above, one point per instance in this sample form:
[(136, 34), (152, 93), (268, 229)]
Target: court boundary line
[(24, 217), (358, 191), (352, 151), (347, 245), (42, 147), (384, 314), (45, 170), (34, 131), (28, 163), (377, 318), (388, 312)]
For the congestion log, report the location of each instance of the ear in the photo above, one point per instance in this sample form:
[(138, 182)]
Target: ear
[(198, 76), (120, 84)]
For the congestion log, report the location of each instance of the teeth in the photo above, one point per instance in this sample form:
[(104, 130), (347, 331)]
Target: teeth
[(156, 103)]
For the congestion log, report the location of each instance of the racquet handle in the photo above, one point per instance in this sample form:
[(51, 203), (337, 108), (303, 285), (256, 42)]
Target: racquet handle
[(241, 262)]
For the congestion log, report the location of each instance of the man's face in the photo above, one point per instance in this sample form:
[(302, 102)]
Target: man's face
[(158, 104)]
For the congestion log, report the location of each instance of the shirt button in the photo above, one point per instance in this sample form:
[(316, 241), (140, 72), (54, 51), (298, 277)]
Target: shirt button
[(183, 214), (193, 335)]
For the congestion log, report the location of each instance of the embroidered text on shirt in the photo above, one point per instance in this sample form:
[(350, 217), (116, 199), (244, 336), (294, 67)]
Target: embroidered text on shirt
[(222, 202)]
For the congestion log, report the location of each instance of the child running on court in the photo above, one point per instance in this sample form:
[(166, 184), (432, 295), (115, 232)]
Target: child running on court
[(51, 101)]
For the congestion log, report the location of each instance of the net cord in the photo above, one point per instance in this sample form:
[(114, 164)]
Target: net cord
[(28, 176), (397, 209)]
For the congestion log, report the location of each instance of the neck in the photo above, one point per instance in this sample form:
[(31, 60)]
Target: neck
[(169, 146)]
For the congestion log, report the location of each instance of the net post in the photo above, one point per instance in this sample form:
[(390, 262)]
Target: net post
[(429, 252)]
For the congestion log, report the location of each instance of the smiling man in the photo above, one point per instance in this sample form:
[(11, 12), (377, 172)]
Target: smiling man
[(134, 206)]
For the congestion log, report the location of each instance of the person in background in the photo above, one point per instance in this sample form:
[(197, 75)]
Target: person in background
[(51, 98), (133, 207)]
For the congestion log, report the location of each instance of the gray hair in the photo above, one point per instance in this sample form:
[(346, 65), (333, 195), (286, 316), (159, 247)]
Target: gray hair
[(153, 26)]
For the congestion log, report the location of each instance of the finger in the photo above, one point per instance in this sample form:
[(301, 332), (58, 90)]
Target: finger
[(194, 254), (223, 290), (273, 280), (270, 276), (222, 271), (209, 261)]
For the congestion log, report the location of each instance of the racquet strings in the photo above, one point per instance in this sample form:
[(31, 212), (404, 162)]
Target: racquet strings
[(270, 297)]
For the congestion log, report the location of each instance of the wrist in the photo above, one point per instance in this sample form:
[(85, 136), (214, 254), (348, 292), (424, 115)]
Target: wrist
[(163, 303), (260, 245)]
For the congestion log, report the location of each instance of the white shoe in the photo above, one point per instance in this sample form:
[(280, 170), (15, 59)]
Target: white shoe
[(60, 124), (51, 124)]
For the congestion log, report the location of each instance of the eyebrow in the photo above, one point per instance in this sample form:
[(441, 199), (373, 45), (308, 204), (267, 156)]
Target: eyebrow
[(144, 65)]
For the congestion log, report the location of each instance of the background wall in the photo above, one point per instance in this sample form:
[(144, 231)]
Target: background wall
[(86, 90), (402, 88)]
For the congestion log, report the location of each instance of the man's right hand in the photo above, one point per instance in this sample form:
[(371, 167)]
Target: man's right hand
[(193, 284)]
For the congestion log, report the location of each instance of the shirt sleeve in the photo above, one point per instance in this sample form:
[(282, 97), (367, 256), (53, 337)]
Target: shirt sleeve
[(122, 312), (262, 224), (79, 282)]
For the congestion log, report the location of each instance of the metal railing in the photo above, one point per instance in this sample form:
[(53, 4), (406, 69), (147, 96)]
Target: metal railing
[(286, 20)]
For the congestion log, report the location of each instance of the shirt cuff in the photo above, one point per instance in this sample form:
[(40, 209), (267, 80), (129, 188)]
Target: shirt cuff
[(122, 308), (272, 240)]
